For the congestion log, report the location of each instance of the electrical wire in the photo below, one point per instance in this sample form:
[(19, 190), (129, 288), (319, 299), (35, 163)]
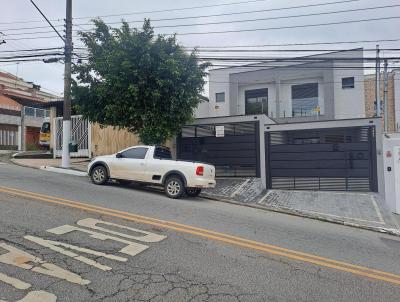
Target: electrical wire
[(230, 22)]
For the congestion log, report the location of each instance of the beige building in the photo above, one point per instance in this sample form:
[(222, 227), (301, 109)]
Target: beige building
[(393, 99)]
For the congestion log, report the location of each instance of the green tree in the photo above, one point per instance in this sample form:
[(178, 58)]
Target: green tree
[(138, 81)]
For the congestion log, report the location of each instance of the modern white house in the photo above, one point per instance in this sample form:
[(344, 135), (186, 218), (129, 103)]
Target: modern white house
[(326, 86)]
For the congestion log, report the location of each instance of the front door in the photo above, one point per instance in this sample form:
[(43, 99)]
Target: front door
[(130, 165)]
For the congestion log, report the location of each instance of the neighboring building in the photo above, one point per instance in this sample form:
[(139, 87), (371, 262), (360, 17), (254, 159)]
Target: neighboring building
[(21, 113), (393, 99), (290, 92)]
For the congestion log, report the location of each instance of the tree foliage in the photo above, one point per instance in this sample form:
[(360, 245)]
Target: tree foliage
[(138, 81)]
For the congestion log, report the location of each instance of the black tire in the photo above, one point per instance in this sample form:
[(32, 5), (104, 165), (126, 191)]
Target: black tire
[(193, 192), (99, 175), (174, 187)]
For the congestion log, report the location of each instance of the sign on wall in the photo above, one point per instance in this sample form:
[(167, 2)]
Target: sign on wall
[(219, 131)]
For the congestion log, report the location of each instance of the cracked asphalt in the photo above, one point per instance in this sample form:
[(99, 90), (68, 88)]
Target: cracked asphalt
[(185, 267)]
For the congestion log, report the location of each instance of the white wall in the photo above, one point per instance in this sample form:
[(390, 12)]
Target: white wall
[(349, 102), (397, 99), (219, 82)]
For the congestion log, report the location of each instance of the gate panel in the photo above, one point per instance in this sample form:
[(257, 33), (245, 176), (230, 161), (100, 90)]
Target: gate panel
[(323, 159), (8, 137), (79, 136), (235, 154)]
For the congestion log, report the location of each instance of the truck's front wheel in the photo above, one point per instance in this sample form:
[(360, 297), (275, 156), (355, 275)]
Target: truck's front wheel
[(174, 187)]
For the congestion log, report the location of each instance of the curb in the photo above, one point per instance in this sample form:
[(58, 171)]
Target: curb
[(52, 169), (293, 212), (63, 171)]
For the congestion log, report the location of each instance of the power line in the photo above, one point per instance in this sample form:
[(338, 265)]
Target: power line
[(31, 49), (235, 13), (287, 50), (251, 30), (44, 16), (299, 44), (146, 12), (279, 17), (173, 9), (224, 14), (286, 27), (295, 59)]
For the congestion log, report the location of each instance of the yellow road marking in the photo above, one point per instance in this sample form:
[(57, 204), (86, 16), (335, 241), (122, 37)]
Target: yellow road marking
[(217, 236)]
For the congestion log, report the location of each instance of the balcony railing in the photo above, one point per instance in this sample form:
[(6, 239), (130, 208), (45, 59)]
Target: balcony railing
[(36, 112)]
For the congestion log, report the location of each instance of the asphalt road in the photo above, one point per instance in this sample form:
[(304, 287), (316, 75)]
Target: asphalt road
[(182, 263)]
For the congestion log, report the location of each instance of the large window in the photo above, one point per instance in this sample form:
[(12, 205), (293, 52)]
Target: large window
[(256, 101), (305, 99)]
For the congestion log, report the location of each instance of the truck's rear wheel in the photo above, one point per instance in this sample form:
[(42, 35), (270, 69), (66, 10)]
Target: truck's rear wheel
[(193, 192), (174, 187)]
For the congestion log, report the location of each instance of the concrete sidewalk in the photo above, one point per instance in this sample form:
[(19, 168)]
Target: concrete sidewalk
[(363, 210), (78, 164)]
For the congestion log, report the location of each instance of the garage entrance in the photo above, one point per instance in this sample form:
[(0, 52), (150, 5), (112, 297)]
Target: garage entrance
[(233, 148), (342, 159)]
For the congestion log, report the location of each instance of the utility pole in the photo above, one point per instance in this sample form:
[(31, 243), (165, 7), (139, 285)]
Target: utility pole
[(385, 96), (378, 83), (65, 161)]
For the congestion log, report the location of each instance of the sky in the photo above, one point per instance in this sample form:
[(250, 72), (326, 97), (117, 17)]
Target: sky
[(50, 75)]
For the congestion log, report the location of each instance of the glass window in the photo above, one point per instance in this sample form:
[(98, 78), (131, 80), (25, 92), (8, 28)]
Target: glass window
[(256, 101), (347, 82), (220, 97), (138, 153), (162, 153), (305, 99)]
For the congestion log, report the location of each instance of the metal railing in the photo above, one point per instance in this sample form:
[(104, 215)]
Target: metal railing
[(36, 112)]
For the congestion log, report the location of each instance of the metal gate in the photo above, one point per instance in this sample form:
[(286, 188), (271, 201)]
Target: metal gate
[(342, 159), (80, 132), (8, 137), (232, 148)]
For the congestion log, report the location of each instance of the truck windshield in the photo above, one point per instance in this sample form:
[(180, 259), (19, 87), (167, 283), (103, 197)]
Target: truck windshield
[(162, 153), (45, 127)]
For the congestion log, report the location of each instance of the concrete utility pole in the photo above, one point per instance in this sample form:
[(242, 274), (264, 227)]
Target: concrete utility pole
[(65, 162), (385, 96), (378, 83)]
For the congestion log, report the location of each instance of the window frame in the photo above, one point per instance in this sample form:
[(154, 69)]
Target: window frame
[(156, 149), (256, 94), (348, 86), (219, 94), (307, 111), (134, 148)]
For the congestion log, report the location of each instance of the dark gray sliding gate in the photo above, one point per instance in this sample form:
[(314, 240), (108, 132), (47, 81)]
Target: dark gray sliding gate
[(236, 154), (342, 159)]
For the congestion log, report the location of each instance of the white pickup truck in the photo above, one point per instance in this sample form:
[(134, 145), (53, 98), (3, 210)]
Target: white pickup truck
[(153, 165)]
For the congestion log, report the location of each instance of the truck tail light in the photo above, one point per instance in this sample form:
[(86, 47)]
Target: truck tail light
[(200, 170)]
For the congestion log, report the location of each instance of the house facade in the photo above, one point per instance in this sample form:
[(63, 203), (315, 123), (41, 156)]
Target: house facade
[(21, 112), (321, 87)]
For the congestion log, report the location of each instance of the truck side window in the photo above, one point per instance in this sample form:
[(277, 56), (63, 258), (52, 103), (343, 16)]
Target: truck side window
[(137, 153), (162, 153)]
